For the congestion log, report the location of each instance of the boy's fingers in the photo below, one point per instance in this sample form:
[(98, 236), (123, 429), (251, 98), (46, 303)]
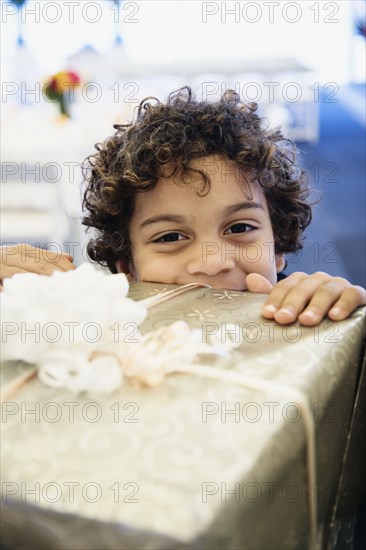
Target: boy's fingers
[(258, 283), (279, 293), (312, 298), (351, 298), (320, 294), (323, 300), (309, 298), (42, 260), (67, 256), (10, 271), (26, 258)]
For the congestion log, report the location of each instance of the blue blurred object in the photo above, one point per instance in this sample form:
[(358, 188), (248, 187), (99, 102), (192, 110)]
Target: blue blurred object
[(359, 9), (335, 240)]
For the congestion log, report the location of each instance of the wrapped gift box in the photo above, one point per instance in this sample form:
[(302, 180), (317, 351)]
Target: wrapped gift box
[(193, 462)]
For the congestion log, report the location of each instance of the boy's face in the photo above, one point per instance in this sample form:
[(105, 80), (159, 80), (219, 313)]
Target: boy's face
[(178, 237)]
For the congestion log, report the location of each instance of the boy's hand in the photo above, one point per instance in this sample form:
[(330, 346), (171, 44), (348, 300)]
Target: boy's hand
[(307, 298), (24, 258)]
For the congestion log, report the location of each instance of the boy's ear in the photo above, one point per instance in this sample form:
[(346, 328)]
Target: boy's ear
[(280, 262), (123, 266)]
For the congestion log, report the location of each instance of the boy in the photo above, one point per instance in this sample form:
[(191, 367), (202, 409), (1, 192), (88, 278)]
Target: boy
[(201, 192)]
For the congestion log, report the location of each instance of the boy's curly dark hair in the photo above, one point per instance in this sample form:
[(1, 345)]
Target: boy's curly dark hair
[(163, 140)]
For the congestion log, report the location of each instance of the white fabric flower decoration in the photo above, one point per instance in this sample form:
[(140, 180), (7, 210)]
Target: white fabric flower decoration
[(62, 321), (82, 331)]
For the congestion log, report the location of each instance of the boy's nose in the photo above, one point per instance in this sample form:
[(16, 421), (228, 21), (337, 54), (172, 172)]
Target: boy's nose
[(210, 261)]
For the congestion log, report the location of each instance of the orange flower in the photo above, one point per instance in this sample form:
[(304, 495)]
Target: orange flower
[(57, 87), (64, 79)]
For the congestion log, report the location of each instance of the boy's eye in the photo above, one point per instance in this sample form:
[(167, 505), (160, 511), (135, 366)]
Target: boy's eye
[(169, 238), (240, 228)]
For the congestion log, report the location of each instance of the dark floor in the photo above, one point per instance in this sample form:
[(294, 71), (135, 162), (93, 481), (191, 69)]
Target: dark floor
[(335, 241)]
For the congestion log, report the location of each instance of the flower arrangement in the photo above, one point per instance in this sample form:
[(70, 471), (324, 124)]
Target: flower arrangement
[(58, 89)]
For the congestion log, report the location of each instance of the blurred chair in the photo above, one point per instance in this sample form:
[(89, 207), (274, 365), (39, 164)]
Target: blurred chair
[(40, 178)]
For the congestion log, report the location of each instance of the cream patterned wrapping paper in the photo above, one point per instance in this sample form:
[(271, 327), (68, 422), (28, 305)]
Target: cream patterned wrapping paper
[(192, 463)]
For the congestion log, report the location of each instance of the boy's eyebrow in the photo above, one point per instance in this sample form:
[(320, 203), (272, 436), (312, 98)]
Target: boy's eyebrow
[(162, 218), (228, 211), (232, 209)]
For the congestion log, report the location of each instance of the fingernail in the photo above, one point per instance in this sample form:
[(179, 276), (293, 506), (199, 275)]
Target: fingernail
[(286, 311), (270, 309), (309, 314), (336, 311)]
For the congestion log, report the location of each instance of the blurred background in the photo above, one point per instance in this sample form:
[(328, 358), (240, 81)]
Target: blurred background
[(70, 70)]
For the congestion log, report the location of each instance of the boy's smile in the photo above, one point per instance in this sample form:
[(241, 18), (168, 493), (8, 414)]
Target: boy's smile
[(179, 237)]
